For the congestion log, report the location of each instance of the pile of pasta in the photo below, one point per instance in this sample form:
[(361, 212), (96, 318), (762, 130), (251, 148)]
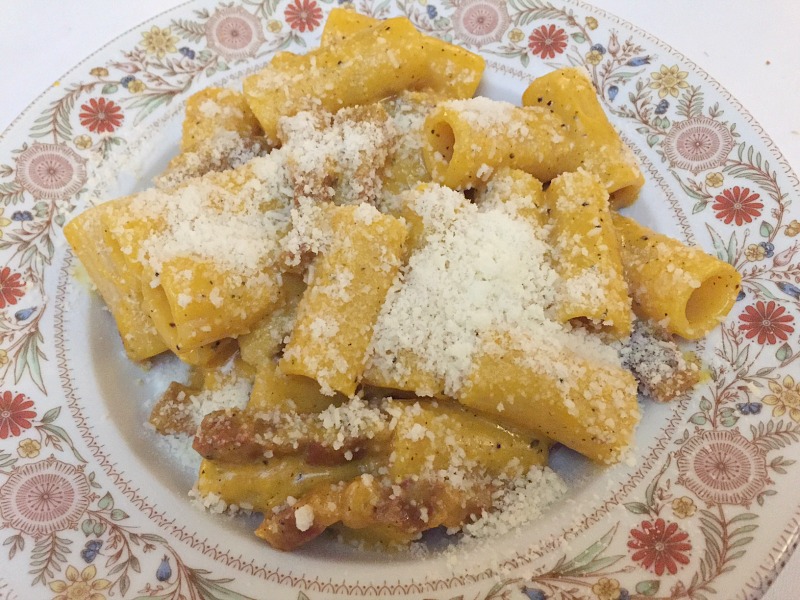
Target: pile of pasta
[(427, 290)]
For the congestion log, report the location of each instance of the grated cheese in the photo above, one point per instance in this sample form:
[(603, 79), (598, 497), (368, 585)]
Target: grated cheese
[(338, 157), (304, 517), (523, 501), (479, 271), (207, 220)]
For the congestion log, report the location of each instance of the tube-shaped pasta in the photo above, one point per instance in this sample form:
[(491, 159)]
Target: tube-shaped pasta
[(194, 294), (207, 303), (156, 305), (214, 110), (220, 132), (404, 368), (467, 140), (586, 253), (274, 390), (681, 288), (517, 191), (265, 486), (343, 23), (411, 376), (349, 73), (588, 406), (264, 341), (453, 71), (405, 168), (116, 281), (338, 311), (570, 94), (474, 440)]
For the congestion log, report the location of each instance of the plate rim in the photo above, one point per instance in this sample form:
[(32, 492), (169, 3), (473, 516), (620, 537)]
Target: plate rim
[(785, 545)]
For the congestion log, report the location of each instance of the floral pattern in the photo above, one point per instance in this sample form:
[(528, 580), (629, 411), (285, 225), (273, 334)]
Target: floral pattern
[(607, 589), (660, 546), (698, 144), (547, 41), (766, 323), (303, 15), (50, 171), (692, 513), (29, 448), (737, 205), (12, 288), (80, 585), (480, 22), (669, 81), (44, 497), (755, 252), (3, 222), (683, 507), (159, 42), (100, 115), (235, 33), (785, 398), (722, 467), (15, 414)]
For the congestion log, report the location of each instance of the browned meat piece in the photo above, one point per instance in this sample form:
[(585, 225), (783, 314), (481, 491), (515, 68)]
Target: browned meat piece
[(322, 162), (172, 412), (663, 370), (242, 436), (228, 150), (408, 508)]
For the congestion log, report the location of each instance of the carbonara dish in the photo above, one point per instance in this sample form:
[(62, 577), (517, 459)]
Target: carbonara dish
[(417, 292)]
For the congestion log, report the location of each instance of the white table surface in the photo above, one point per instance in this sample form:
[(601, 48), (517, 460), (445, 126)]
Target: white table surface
[(751, 48)]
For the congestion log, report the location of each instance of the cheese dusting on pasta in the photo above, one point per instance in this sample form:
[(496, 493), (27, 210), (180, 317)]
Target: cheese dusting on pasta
[(397, 298)]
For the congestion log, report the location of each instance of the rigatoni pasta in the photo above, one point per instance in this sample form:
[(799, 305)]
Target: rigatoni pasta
[(396, 298), (467, 140), (586, 253), (570, 94), (452, 72), (350, 74), (582, 403), (684, 290), (337, 312), (117, 282)]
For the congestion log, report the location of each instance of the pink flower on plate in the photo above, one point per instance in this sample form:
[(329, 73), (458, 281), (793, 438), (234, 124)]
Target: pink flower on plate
[(16, 414), (547, 41), (480, 22), (101, 115), (44, 497), (722, 467), (767, 322), (698, 144), (234, 33), (660, 546), (50, 171), (303, 15), (737, 205)]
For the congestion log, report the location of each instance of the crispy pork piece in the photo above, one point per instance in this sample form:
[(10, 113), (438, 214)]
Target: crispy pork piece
[(321, 438), (402, 511)]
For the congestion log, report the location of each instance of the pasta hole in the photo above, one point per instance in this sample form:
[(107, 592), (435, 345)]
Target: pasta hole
[(442, 138), (708, 302)]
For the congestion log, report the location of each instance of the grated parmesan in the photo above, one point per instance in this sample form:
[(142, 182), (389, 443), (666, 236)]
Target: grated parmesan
[(478, 271), (304, 517)]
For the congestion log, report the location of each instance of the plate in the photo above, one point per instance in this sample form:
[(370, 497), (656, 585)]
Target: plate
[(90, 503)]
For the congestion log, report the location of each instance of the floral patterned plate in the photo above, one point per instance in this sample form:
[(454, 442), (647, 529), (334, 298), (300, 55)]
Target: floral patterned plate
[(93, 506)]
